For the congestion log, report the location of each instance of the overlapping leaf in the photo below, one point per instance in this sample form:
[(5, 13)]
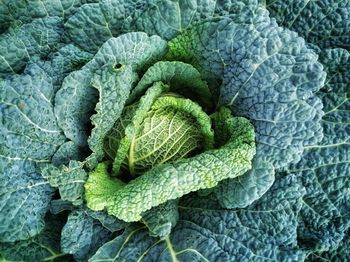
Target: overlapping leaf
[(13, 11), (43, 247), (324, 169), (82, 235), (264, 231), (268, 76), (76, 100), (175, 179), (21, 43), (29, 136), (68, 179), (323, 23)]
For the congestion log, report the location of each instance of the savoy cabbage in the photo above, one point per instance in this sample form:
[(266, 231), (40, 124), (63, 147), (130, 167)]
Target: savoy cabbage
[(174, 130)]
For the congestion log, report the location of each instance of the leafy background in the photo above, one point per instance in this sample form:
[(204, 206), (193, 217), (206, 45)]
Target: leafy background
[(254, 52)]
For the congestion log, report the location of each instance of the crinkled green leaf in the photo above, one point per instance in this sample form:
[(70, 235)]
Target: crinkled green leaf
[(266, 231), (172, 129), (74, 104), (75, 101), (82, 235), (144, 105), (269, 76), (113, 139), (114, 85), (244, 190), (43, 247), (67, 59), (324, 169), (21, 43), (58, 205), (342, 253), (182, 79), (132, 137), (112, 223), (28, 125), (236, 9), (161, 219), (168, 18), (24, 200), (97, 199), (173, 180), (68, 179), (93, 24), (29, 136), (67, 152), (324, 23), (25, 11)]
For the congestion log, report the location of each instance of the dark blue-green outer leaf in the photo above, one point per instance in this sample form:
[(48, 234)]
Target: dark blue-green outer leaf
[(342, 253), (29, 136), (21, 43), (324, 23), (325, 167), (161, 219), (266, 231), (82, 235), (244, 190), (93, 24), (12, 11), (43, 247), (24, 199), (68, 179)]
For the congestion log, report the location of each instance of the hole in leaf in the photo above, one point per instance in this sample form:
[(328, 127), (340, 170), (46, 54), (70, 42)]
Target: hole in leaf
[(118, 66)]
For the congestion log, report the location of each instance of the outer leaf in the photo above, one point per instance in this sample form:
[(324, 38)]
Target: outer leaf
[(67, 152), (324, 23), (28, 126), (95, 23), (26, 11), (58, 205), (24, 199), (99, 22), (269, 76), (161, 219), (17, 46), (44, 247), (69, 180), (324, 169), (266, 231), (234, 8), (27, 137), (67, 59), (82, 235), (168, 18), (173, 180), (113, 85), (76, 100), (110, 222), (244, 190), (340, 254)]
